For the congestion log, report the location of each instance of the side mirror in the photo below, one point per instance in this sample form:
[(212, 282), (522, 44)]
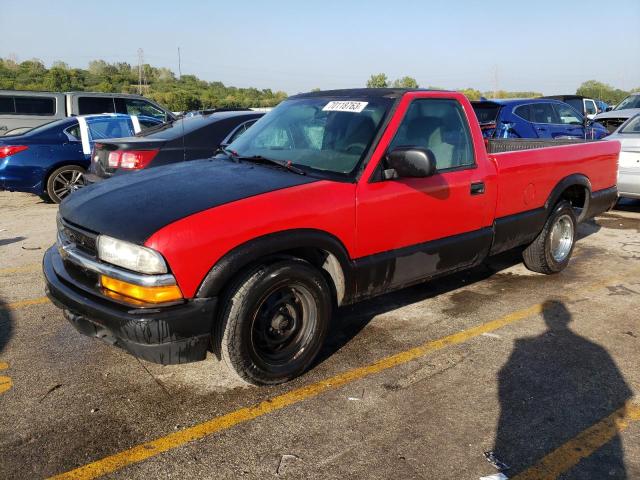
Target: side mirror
[(608, 109), (410, 162)]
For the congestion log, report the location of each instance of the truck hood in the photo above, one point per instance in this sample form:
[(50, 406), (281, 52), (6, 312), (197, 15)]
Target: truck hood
[(133, 207)]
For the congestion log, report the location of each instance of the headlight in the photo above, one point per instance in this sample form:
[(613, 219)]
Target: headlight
[(130, 256)]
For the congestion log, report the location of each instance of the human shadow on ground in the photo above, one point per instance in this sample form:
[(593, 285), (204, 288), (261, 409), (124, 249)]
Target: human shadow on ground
[(6, 325), (554, 386)]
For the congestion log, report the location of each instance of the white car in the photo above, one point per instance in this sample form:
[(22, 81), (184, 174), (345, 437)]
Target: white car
[(629, 163)]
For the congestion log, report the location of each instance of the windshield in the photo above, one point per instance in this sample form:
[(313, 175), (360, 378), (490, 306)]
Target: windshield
[(632, 101), (322, 133), (632, 126)]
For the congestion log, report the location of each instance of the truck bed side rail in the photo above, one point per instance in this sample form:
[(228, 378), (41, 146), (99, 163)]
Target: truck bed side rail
[(501, 145)]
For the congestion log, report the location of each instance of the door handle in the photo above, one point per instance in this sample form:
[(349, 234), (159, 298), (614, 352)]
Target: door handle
[(477, 188)]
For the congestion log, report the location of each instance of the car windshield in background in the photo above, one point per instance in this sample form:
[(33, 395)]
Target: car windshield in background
[(326, 134), (632, 101), (633, 126)]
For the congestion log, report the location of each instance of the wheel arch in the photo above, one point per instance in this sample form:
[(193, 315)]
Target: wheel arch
[(576, 189), (60, 163), (320, 248)]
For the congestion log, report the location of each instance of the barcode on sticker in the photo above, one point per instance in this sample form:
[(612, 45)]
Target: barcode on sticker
[(345, 106)]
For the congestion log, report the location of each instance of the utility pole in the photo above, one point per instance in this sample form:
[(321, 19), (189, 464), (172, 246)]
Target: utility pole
[(179, 66), (140, 62)]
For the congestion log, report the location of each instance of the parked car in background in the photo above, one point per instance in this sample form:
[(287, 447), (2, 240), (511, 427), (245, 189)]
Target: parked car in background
[(50, 160), (534, 118), (187, 138), (586, 106), (23, 110), (629, 163), (627, 108), (332, 198)]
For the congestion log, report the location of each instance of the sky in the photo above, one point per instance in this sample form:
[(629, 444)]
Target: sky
[(297, 45)]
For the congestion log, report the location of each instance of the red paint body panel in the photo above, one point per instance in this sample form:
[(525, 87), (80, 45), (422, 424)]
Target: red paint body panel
[(404, 212), (545, 167), (194, 244), (374, 217)]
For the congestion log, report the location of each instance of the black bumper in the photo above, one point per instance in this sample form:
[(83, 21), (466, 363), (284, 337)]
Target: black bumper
[(168, 335), (601, 201)]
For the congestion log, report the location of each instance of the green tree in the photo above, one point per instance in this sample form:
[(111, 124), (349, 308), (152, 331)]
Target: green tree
[(601, 91), (379, 80), (471, 93), (405, 82)]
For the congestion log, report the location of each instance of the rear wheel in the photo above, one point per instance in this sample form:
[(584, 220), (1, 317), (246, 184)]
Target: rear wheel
[(275, 321), (551, 250), (64, 181)]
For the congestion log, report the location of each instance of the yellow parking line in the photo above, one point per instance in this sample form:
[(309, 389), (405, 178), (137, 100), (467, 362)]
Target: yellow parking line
[(24, 303), (5, 382), (584, 444), (24, 268), (173, 440)]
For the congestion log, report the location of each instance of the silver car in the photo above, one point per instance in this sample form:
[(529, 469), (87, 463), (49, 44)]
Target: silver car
[(629, 163), (627, 108)]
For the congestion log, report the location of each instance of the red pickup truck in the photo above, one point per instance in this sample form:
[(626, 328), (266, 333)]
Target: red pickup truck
[(331, 198)]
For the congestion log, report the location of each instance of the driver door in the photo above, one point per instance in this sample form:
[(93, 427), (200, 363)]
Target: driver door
[(409, 229)]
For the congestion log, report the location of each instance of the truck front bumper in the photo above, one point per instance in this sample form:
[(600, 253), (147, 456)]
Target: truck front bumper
[(166, 335)]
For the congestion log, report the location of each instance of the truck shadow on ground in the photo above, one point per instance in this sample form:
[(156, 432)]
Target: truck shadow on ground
[(554, 386), (350, 320)]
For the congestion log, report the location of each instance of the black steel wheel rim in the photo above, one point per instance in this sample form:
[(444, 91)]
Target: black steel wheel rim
[(284, 324)]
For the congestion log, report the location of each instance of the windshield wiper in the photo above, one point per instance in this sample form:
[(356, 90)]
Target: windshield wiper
[(260, 159)]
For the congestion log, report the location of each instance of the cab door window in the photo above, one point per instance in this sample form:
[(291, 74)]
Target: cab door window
[(567, 115), (90, 105), (440, 126), (542, 113)]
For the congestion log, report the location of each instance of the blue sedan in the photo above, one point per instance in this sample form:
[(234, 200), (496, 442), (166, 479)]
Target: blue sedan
[(51, 159), (534, 118)]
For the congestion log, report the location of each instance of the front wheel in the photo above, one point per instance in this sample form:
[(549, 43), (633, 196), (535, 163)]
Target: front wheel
[(64, 181), (275, 321), (551, 250)]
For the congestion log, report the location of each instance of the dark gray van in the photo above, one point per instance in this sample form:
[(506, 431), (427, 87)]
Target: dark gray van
[(23, 110)]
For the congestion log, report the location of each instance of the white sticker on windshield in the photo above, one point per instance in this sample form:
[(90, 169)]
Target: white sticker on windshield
[(345, 106)]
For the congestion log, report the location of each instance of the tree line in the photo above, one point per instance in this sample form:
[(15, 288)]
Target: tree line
[(178, 94), (190, 93), (591, 88)]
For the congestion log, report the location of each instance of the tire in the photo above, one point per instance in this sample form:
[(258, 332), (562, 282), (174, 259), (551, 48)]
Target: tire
[(274, 322), (551, 251), (64, 181)]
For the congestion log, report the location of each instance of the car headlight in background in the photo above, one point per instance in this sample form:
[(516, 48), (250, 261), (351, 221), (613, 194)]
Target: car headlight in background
[(130, 256)]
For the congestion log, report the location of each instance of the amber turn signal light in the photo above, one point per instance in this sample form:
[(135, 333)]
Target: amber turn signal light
[(117, 288)]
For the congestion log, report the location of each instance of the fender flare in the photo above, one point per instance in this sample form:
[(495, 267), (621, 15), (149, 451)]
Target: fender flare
[(248, 253), (576, 179)]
